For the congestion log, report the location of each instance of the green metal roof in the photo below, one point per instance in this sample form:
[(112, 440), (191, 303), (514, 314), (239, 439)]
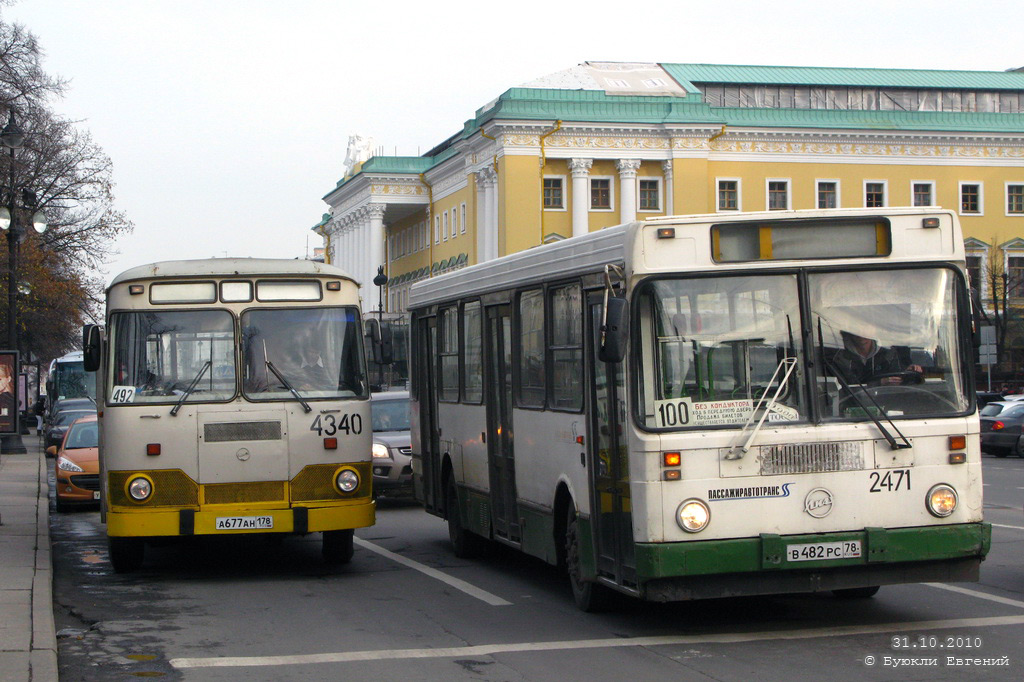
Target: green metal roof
[(688, 74)]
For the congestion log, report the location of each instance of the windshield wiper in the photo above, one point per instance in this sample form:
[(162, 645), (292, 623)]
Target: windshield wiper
[(881, 427), (738, 451), (287, 384), (191, 387)]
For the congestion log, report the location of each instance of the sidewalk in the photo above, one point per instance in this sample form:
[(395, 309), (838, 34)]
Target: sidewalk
[(28, 646)]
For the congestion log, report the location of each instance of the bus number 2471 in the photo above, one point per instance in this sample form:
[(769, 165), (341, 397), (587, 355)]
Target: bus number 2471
[(329, 425)]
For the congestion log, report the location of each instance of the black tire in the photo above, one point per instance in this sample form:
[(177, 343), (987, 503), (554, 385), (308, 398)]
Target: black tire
[(590, 597), (126, 554), (338, 546), (61, 507), (1000, 453), (465, 544), (1018, 449), (857, 592)]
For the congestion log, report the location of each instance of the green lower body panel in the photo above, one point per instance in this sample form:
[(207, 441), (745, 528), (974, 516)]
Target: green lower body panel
[(771, 564)]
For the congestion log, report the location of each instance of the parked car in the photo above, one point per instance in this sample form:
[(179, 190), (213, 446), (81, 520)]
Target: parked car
[(1001, 428), (54, 430), (392, 448), (986, 397), (77, 468)]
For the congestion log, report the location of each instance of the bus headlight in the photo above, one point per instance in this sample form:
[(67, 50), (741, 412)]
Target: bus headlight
[(693, 516), (139, 489), (347, 480), (380, 451), (941, 500)]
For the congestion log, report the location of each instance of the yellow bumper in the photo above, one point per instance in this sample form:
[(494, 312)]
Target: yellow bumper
[(146, 523)]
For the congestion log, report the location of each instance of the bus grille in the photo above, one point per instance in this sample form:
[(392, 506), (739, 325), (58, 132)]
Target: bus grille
[(235, 493), (811, 458), (231, 431), (171, 488), (316, 482)]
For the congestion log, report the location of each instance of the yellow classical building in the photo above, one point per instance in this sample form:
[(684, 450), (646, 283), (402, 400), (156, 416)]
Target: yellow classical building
[(604, 143)]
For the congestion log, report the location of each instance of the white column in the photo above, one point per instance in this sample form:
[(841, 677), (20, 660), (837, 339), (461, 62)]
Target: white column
[(580, 195), (481, 217), (492, 214), (627, 188), (670, 189), (377, 254)]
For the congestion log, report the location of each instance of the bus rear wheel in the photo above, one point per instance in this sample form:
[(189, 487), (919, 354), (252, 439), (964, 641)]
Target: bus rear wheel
[(590, 597), (338, 546), (126, 554)]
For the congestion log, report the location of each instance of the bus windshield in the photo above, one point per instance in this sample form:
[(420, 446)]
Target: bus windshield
[(156, 356), (889, 343), (317, 352), (70, 380), (714, 348)]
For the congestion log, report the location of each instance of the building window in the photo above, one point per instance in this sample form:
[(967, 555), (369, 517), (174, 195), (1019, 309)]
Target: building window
[(455, 223), (554, 193), (650, 195), (828, 194), (778, 195), (970, 198), (874, 194), (444, 226), (728, 195), (437, 229), (1014, 199), (974, 273), (601, 194), (462, 223), (1015, 276), (923, 194)]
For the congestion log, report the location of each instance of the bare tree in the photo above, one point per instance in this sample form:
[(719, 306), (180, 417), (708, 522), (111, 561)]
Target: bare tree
[(61, 171)]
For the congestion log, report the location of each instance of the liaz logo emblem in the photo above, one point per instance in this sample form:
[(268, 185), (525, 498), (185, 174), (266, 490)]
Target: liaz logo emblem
[(818, 503)]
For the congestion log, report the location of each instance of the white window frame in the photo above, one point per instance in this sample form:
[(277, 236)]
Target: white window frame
[(981, 252), (444, 226), (1015, 252), (611, 193), (789, 194), (931, 185), (1006, 198), (960, 198), (462, 224), (839, 191), (455, 221), (437, 229), (661, 193), (885, 193), (565, 194), (739, 195)]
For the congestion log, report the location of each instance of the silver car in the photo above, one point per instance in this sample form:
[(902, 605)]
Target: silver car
[(392, 450)]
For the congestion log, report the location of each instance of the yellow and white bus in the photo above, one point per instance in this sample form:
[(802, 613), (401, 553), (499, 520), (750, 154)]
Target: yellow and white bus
[(233, 398), (705, 406)]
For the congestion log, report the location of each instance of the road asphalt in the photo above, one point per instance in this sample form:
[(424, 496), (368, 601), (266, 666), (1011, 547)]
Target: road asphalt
[(28, 644)]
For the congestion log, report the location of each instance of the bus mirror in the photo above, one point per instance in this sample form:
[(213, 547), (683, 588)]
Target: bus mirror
[(614, 331), (92, 347), (378, 333)]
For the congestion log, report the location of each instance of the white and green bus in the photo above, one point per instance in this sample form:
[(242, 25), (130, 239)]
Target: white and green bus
[(703, 406), (233, 399)]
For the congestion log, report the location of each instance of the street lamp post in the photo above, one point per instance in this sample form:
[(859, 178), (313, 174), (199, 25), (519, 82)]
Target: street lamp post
[(13, 138), (379, 281)]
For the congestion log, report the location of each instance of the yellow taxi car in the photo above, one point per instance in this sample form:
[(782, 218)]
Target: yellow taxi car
[(77, 467)]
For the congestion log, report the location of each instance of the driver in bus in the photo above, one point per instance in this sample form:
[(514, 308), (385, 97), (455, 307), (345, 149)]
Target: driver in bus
[(862, 361)]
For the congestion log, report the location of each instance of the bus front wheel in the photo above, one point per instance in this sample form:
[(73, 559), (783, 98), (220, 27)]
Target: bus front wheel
[(126, 554), (589, 596), (337, 547)]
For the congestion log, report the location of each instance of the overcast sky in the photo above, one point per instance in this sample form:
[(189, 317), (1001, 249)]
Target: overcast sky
[(228, 120)]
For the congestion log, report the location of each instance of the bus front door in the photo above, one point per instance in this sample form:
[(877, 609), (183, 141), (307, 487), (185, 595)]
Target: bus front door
[(500, 437), (611, 510)]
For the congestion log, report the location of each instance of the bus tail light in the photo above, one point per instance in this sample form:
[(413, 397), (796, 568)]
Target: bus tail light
[(693, 515), (672, 459), (153, 449), (941, 500)]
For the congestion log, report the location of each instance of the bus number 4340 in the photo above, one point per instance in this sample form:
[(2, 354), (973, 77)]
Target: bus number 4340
[(329, 425)]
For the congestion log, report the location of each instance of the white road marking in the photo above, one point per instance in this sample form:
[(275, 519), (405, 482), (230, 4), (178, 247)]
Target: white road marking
[(458, 584), (1003, 525), (976, 593), (522, 647)]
